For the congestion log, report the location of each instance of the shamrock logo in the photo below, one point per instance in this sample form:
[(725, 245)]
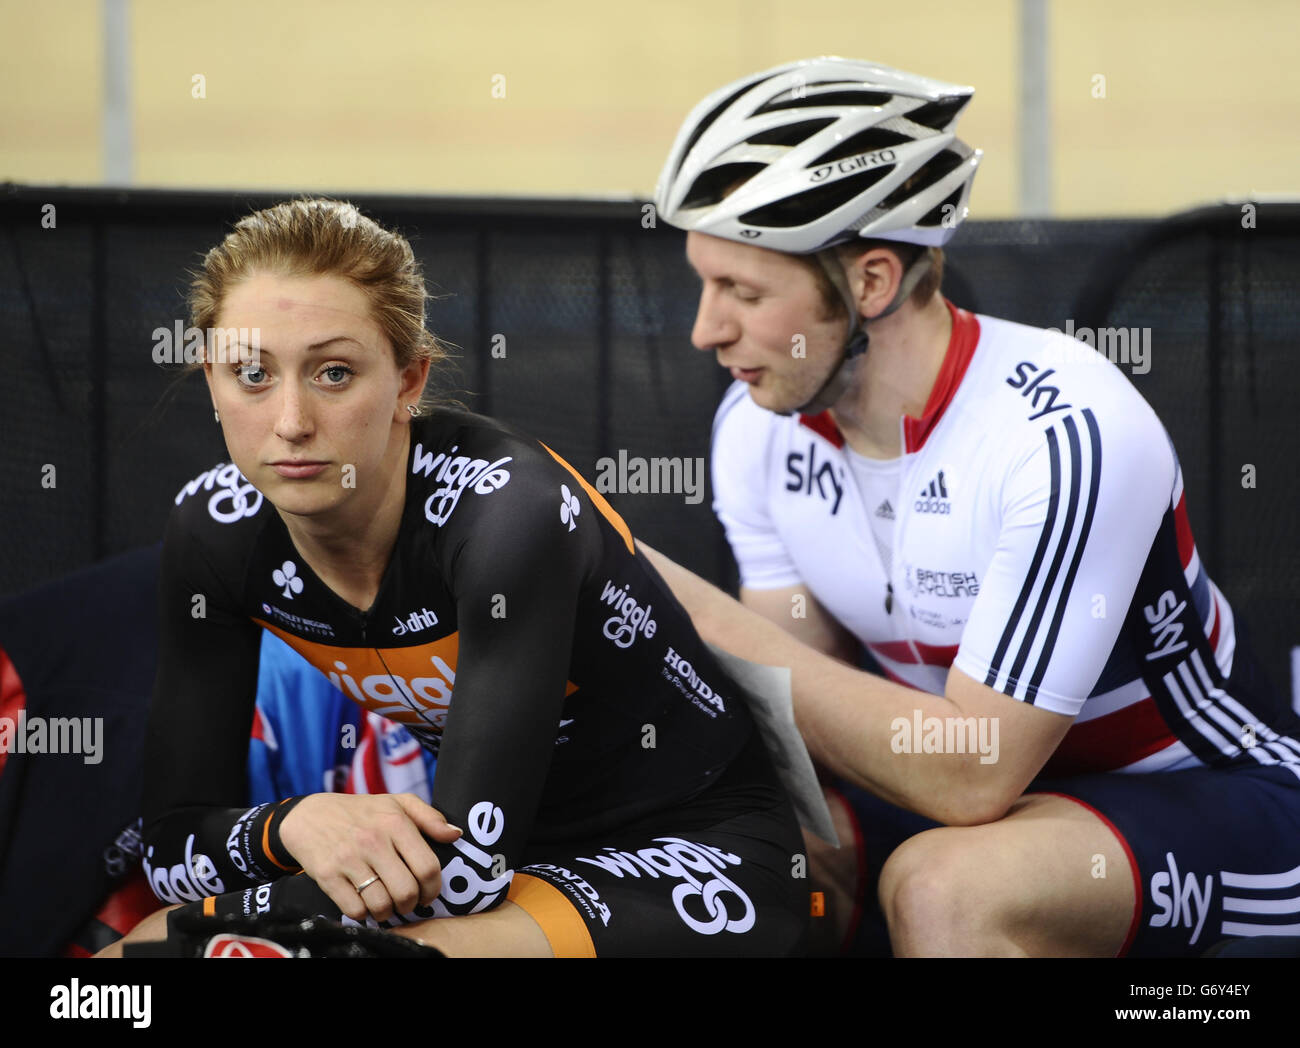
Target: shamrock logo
[(569, 508), (286, 575)]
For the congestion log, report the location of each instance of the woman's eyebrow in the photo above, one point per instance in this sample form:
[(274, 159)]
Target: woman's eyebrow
[(310, 349), (330, 341)]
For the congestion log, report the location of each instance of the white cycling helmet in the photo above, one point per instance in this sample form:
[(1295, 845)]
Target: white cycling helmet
[(823, 152), (829, 150)]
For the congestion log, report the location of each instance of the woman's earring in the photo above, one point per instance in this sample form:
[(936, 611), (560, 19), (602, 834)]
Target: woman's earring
[(216, 414), (413, 410)]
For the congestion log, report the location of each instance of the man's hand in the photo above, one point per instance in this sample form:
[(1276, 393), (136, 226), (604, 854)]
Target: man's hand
[(368, 853)]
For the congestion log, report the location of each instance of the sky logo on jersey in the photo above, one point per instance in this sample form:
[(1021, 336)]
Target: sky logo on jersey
[(934, 497), (701, 898), (1036, 390), (631, 618), (804, 471), (1182, 900), (1166, 630), (455, 475), (233, 499)]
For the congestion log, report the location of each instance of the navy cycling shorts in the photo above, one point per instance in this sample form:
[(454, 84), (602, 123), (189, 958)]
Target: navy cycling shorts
[(1214, 854)]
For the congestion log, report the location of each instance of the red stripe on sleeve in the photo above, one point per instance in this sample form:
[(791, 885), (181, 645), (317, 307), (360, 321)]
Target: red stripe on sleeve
[(1113, 741)]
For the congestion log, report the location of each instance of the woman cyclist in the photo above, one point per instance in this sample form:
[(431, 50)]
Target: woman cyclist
[(604, 788)]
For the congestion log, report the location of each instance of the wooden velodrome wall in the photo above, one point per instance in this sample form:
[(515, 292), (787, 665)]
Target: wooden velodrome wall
[(1195, 101)]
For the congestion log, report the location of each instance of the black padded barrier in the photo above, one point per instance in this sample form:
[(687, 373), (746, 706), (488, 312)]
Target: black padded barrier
[(595, 310)]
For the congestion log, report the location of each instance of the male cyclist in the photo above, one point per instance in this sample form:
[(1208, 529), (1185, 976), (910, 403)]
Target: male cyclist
[(997, 517)]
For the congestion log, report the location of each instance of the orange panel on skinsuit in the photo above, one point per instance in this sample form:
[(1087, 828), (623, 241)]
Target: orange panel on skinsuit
[(606, 510), (410, 685), (562, 925), (407, 685)]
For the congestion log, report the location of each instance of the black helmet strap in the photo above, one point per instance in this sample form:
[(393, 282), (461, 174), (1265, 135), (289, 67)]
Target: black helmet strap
[(857, 339)]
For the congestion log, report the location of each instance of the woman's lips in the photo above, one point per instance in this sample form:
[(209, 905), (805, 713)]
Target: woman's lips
[(298, 470)]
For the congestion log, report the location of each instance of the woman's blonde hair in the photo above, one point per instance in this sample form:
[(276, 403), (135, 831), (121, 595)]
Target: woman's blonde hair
[(316, 236)]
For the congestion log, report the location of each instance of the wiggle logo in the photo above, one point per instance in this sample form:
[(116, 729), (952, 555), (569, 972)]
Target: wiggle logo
[(701, 900), (234, 497)]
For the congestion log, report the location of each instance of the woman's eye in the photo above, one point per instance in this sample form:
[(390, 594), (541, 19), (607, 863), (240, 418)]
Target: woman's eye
[(337, 374), (250, 375)]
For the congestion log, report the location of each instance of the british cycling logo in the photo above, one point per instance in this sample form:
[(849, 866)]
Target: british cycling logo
[(630, 617), (455, 473), (701, 898), (929, 582), (233, 498)]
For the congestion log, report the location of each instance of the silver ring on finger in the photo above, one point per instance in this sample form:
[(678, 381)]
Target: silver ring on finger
[(366, 883)]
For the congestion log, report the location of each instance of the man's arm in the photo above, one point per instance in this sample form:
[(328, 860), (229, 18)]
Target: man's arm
[(799, 613), (849, 717)]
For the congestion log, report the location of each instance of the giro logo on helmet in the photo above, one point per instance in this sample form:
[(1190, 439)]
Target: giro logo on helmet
[(819, 121)]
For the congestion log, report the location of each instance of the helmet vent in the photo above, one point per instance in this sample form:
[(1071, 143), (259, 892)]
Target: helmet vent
[(790, 134), (943, 164), (809, 98), (714, 184), (709, 120), (867, 141), (938, 115), (944, 210), (816, 203)]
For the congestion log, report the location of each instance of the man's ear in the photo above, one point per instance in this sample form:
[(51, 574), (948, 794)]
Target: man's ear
[(874, 278)]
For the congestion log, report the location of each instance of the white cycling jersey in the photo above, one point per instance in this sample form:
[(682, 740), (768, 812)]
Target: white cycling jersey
[(1041, 546)]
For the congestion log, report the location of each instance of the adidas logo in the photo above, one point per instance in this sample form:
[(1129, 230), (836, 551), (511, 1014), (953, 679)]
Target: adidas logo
[(934, 497), (885, 510)]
